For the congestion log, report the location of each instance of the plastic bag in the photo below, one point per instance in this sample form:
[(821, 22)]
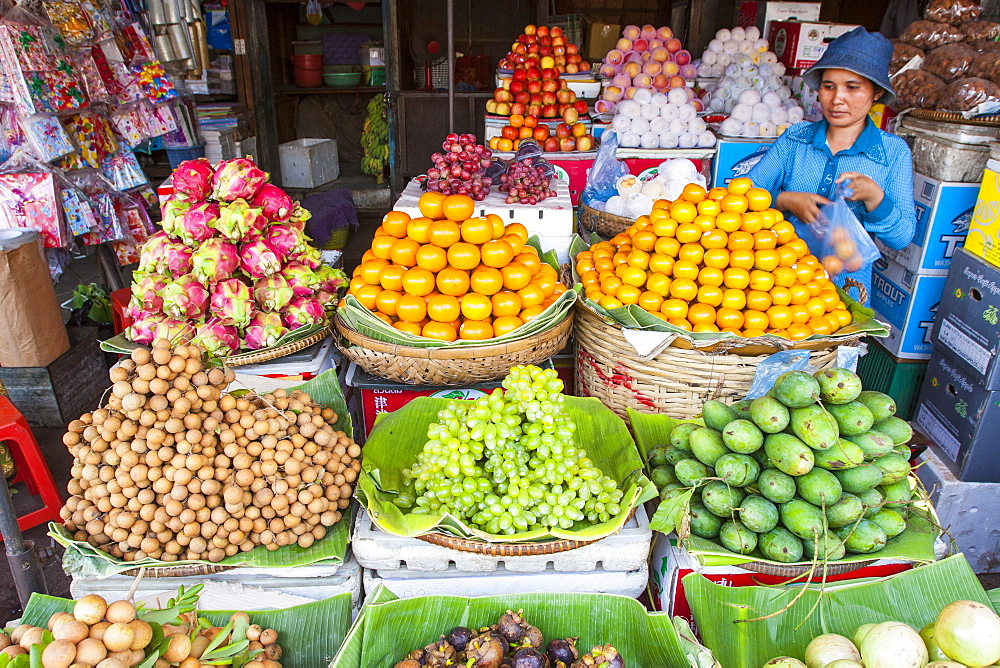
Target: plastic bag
[(986, 66), (775, 365), (955, 12), (846, 245), (917, 89), (967, 94), (28, 199), (902, 53), (950, 61), (930, 35), (605, 172), (978, 31)]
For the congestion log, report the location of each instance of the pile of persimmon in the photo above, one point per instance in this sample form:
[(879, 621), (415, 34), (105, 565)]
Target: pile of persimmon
[(717, 261), (451, 275)]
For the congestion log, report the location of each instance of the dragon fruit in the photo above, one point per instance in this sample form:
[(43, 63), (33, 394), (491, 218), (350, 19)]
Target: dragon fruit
[(174, 330), (237, 179), (274, 202), (217, 337), (232, 302), (214, 260), (144, 326), (153, 251), (176, 259), (309, 256), (197, 223), (237, 219), (147, 288), (265, 329), (273, 293), (186, 298), (172, 214), (193, 178), (284, 240), (301, 279), (330, 282), (258, 260), (303, 311), (299, 217)]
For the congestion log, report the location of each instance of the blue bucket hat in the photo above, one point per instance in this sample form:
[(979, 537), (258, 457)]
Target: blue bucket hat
[(862, 52)]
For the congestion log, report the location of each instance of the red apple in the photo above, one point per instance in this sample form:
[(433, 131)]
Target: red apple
[(640, 45), (581, 107), (549, 111), (550, 86), (555, 31), (534, 86), (673, 45), (509, 132), (543, 31), (578, 130), (519, 49), (522, 98), (563, 97), (534, 73), (550, 73), (531, 39), (519, 75), (533, 48), (558, 40), (584, 143), (534, 110), (548, 97), (518, 108), (531, 61), (572, 48), (536, 98), (545, 51), (503, 95), (584, 66), (574, 58), (572, 68), (570, 116), (563, 130), (551, 145), (530, 29), (567, 144), (541, 133), (522, 39), (491, 106), (559, 50), (516, 86)]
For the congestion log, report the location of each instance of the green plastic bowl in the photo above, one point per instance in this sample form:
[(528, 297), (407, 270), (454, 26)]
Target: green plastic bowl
[(341, 79)]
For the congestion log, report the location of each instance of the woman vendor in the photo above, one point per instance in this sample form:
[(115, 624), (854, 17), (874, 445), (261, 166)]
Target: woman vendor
[(809, 160)]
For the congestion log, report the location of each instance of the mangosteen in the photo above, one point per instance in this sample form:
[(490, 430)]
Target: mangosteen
[(605, 656), (439, 653), (563, 649), (459, 637), (484, 651), (496, 635), (533, 637), (528, 657), (511, 626), (408, 663)]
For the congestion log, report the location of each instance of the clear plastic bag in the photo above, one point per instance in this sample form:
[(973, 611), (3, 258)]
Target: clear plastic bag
[(979, 31), (917, 89), (604, 174), (775, 365), (955, 12), (950, 61), (902, 53), (967, 94), (931, 34), (986, 66), (846, 245)]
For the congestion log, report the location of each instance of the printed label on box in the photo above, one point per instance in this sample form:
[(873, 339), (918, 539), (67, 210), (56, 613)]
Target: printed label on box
[(935, 429), (967, 349), (909, 302)]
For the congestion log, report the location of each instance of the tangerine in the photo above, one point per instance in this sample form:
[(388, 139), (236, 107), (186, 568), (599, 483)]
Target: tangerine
[(386, 300), (463, 255), (728, 222), (505, 302), (733, 203), (382, 246), (411, 308), (685, 269), (444, 233), (454, 282), (688, 233), (418, 282), (371, 271), (734, 298), (367, 296), (714, 239), (497, 253), (532, 312), (515, 276), (710, 294), (711, 276), (694, 192), (408, 327), (740, 185), (755, 320), (475, 306), (716, 257), (758, 300), (651, 301), (432, 258), (683, 288), (691, 253), (779, 316), (404, 252), (701, 313), (419, 229), (391, 277), (758, 199), (506, 324), (644, 240), (431, 205), (532, 295), (395, 223), (729, 318), (475, 330), (458, 208), (477, 230), (674, 308), (736, 277), (441, 331), (487, 281)]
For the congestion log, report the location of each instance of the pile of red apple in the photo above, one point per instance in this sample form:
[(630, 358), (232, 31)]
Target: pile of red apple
[(548, 47), (534, 91), (646, 57), (568, 136)]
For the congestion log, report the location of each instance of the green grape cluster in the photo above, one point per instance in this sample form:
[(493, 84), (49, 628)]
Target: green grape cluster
[(507, 463)]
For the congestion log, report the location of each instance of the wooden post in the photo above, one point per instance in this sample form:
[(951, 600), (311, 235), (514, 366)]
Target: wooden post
[(262, 87), (393, 84)]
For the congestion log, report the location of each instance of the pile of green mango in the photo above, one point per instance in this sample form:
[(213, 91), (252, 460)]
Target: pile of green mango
[(816, 468)]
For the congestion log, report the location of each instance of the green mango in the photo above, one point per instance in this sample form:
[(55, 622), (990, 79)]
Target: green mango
[(819, 487), (758, 514), (737, 538), (769, 414), (830, 547), (838, 386), (680, 434), (872, 443), (859, 479), (742, 408), (776, 486), (891, 522), (814, 427), (796, 389), (742, 436), (898, 430), (760, 456), (789, 454), (881, 405), (658, 455), (717, 414), (703, 523), (894, 468), (669, 491), (722, 499), (691, 472), (934, 651), (864, 537), (903, 451), (802, 518), (737, 470), (663, 476), (873, 501), (844, 512), (781, 545), (844, 455), (674, 455), (853, 418), (707, 445), (898, 494)]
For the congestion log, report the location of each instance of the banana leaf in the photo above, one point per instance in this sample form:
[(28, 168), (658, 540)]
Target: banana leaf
[(914, 597), (309, 634), (398, 437), (916, 543), (120, 345), (388, 627), (84, 560)]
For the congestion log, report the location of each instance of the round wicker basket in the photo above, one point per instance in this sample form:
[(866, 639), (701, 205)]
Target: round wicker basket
[(796, 570), (281, 351), (602, 222), (179, 571), (991, 120), (676, 382), (449, 366)]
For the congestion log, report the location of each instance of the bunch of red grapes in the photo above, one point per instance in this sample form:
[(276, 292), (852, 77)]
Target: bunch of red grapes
[(459, 169), (526, 183)]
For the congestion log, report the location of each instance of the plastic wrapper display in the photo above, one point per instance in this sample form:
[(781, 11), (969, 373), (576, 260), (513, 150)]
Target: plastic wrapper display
[(986, 66), (955, 12), (917, 89), (950, 61), (979, 31), (28, 197), (603, 177), (70, 19), (47, 138), (846, 245), (931, 34), (967, 94), (902, 53)]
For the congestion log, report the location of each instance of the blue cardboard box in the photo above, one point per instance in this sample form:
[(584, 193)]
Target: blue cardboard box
[(736, 157), (969, 319), (944, 211), (909, 303)]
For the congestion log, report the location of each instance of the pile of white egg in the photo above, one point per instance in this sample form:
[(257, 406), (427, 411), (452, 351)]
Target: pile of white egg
[(722, 51), (755, 115), (636, 197), (661, 121)]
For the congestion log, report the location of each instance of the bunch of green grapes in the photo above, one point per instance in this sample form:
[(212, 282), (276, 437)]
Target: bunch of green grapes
[(507, 463)]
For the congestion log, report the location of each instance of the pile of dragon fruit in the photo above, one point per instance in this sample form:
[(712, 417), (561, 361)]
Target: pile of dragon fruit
[(232, 268)]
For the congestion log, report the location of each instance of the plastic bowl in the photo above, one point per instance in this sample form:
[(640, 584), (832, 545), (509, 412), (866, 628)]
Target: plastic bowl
[(341, 79)]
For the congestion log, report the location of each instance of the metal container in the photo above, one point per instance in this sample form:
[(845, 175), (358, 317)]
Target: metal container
[(948, 151)]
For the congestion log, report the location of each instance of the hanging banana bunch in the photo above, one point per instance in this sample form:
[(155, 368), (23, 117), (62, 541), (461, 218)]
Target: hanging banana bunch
[(375, 139)]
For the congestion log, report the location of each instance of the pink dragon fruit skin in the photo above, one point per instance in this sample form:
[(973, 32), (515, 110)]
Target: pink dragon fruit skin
[(236, 220), (147, 289), (264, 329), (177, 331), (153, 251), (299, 217), (198, 223), (301, 278), (214, 260), (143, 327), (231, 301), (258, 260), (237, 179), (284, 240), (274, 203), (218, 337), (272, 293), (172, 213), (193, 178), (186, 298), (330, 279), (303, 311), (177, 259)]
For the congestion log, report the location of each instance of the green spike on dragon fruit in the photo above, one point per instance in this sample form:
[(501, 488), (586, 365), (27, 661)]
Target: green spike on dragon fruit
[(302, 279), (299, 217), (309, 257), (172, 213), (147, 289), (186, 298), (272, 293), (237, 179), (218, 337), (264, 329), (231, 301), (303, 311), (198, 223), (257, 259), (193, 178), (214, 260), (236, 220), (153, 251), (151, 326), (330, 283)]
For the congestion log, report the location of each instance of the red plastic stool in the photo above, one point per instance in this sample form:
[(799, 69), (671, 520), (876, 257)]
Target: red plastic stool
[(119, 301), (31, 466)]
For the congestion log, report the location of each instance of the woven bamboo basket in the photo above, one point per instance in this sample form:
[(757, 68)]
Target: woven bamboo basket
[(449, 366), (955, 117), (676, 382), (797, 570), (180, 571), (602, 222), (281, 351)]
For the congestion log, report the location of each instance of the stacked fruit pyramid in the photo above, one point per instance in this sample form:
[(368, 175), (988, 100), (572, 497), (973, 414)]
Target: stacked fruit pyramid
[(816, 468), (717, 261), (448, 275)]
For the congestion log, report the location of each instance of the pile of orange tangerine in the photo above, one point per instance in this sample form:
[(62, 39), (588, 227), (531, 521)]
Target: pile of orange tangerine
[(448, 275), (716, 261)]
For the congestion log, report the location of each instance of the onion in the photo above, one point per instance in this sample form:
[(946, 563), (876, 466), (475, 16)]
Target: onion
[(859, 635), (969, 632), (945, 664), (893, 645), (830, 647), (784, 662), (843, 663)]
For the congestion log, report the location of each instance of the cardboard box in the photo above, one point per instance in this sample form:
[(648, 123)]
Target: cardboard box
[(969, 318), (799, 45), (909, 303), (984, 228), (944, 210), (736, 157), (962, 417), (601, 38), (762, 13)]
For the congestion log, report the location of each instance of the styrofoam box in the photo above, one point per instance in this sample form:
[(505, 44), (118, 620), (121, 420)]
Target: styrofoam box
[(408, 584), (240, 588), (307, 163), (967, 510), (375, 549), (552, 217)]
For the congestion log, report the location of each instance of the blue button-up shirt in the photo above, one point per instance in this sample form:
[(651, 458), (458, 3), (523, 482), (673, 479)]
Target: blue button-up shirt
[(800, 160)]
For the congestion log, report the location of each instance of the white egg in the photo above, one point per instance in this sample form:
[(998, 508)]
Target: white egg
[(766, 128), (658, 100), (724, 34), (716, 104), (697, 126), (795, 115), (668, 111), (677, 96), (746, 47), (741, 59), (731, 46), (732, 70), (760, 45), (751, 129), (649, 111), (771, 99), (640, 126), (738, 33), (742, 112), (715, 46), (731, 127), (629, 108), (706, 139), (621, 123), (765, 70), (749, 97), (630, 140), (677, 126), (778, 69), (687, 140), (659, 125), (752, 33), (687, 112), (723, 59), (769, 57), (760, 113), (668, 140), (784, 93), (779, 115), (649, 140), (709, 58), (643, 96), (717, 70)]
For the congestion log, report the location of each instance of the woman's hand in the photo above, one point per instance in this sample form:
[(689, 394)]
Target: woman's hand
[(865, 189), (804, 206)]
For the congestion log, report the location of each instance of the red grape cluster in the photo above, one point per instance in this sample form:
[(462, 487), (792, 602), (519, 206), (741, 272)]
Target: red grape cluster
[(459, 169), (526, 183)]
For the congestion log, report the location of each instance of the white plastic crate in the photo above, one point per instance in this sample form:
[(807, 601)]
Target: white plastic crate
[(625, 551), (307, 163)]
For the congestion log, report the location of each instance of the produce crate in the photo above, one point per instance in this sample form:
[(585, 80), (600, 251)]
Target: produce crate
[(307, 163), (900, 379)]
